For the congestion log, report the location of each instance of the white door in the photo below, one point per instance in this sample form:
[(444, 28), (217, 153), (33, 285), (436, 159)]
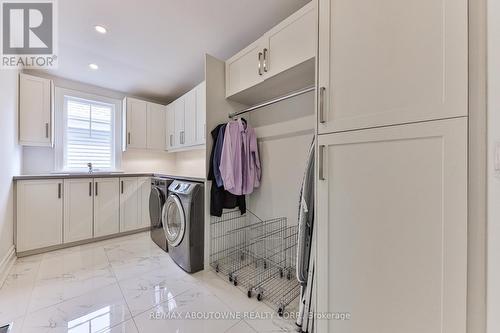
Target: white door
[(35, 111), (179, 122), (190, 118), (200, 113), (392, 228), (170, 126), (78, 209), (39, 214), (144, 191), (245, 69), (129, 203), (156, 126), (106, 206), (291, 42), (136, 123), (391, 62)]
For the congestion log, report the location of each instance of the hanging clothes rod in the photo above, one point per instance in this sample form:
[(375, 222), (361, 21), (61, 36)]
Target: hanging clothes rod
[(272, 101)]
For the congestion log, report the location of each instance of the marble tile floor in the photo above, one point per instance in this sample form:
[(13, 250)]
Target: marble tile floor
[(125, 285)]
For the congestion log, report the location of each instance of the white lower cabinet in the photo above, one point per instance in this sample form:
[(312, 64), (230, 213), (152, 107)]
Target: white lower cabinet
[(392, 228), (106, 206), (129, 203), (39, 214), (144, 190), (78, 209)]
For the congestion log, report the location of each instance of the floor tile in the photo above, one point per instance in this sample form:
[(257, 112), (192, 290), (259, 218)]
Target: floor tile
[(92, 312), (241, 327), (125, 327), (153, 288), (269, 321), (195, 303)]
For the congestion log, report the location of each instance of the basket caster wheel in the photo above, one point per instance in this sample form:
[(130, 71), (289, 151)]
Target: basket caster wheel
[(230, 278), (281, 273), (289, 276), (235, 282), (265, 265), (249, 294), (217, 268), (259, 297), (281, 310)]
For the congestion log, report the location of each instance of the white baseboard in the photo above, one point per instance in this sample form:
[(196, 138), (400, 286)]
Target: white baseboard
[(6, 264)]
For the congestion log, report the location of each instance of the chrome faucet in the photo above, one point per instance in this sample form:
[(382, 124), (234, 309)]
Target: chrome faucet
[(89, 165)]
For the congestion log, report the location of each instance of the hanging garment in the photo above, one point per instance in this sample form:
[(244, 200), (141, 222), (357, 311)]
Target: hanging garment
[(220, 198), (305, 227), (240, 163), (217, 156)]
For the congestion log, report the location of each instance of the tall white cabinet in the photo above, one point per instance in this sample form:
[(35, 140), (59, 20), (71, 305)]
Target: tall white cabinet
[(39, 214), (391, 228)]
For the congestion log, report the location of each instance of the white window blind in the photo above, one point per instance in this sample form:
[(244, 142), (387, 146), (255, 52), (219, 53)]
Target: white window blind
[(89, 134)]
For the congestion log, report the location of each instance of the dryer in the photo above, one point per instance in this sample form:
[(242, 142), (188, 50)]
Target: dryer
[(183, 223), (157, 197)]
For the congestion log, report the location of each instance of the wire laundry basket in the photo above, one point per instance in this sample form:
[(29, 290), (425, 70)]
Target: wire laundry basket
[(257, 256)]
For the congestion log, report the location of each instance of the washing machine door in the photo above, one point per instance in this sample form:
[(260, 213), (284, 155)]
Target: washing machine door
[(174, 220)]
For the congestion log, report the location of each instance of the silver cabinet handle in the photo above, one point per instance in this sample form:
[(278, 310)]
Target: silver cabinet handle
[(96, 188), (90, 189), (265, 60), (122, 186), (59, 190), (321, 160), (171, 139), (322, 105), (181, 137), (260, 63), (128, 137), (46, 130)]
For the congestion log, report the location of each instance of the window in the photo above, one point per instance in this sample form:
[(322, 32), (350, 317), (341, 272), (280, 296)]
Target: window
[(88, 130)]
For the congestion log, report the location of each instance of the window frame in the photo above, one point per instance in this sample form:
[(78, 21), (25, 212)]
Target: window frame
[(60, 127)]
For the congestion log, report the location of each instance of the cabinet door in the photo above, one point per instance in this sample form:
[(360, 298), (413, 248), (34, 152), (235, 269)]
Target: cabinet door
[(392, 62), (156, 126), (136, 124), (179, 122), (190, 118), (35, 111), (291, 42), (39, 214), (200, 113), (244, 69), (144, 191), (106, 206), (392, 219), (129, 203), (78, 209), (170, 126)]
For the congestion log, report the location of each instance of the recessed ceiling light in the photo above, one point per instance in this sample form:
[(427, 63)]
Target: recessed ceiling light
[(93, 66), (100, 29)]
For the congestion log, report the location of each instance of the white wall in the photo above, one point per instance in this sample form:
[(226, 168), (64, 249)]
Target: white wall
[(284, 133), (11, 156), (493, 298), (190, 163)]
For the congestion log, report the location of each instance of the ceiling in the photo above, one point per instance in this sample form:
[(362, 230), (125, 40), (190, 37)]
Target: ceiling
[(155, 48)]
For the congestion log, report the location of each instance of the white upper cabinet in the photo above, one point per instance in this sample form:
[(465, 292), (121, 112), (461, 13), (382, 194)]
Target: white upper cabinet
[(156, 126), (170, 135), (201, 113), (287, 45), (392, 222), (39, 214), (179, 121), (136, 123), (245, 69), (391, 62), (186, 117), (36, 121), (106, 206), (190, 118), (78, 209)]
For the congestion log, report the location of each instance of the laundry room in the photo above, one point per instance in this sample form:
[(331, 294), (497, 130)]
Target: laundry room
[(247, 166)]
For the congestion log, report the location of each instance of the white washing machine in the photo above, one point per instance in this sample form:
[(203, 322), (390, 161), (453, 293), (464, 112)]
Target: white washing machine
[(183, 224)]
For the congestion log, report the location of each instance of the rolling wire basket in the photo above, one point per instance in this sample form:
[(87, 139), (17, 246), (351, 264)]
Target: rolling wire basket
[(256, 255)]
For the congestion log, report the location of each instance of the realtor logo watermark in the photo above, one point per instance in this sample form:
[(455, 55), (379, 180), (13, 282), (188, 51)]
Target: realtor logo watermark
[(29, 34)]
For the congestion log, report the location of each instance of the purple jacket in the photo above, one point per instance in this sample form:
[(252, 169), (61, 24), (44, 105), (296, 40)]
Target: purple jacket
[(240, 163)]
